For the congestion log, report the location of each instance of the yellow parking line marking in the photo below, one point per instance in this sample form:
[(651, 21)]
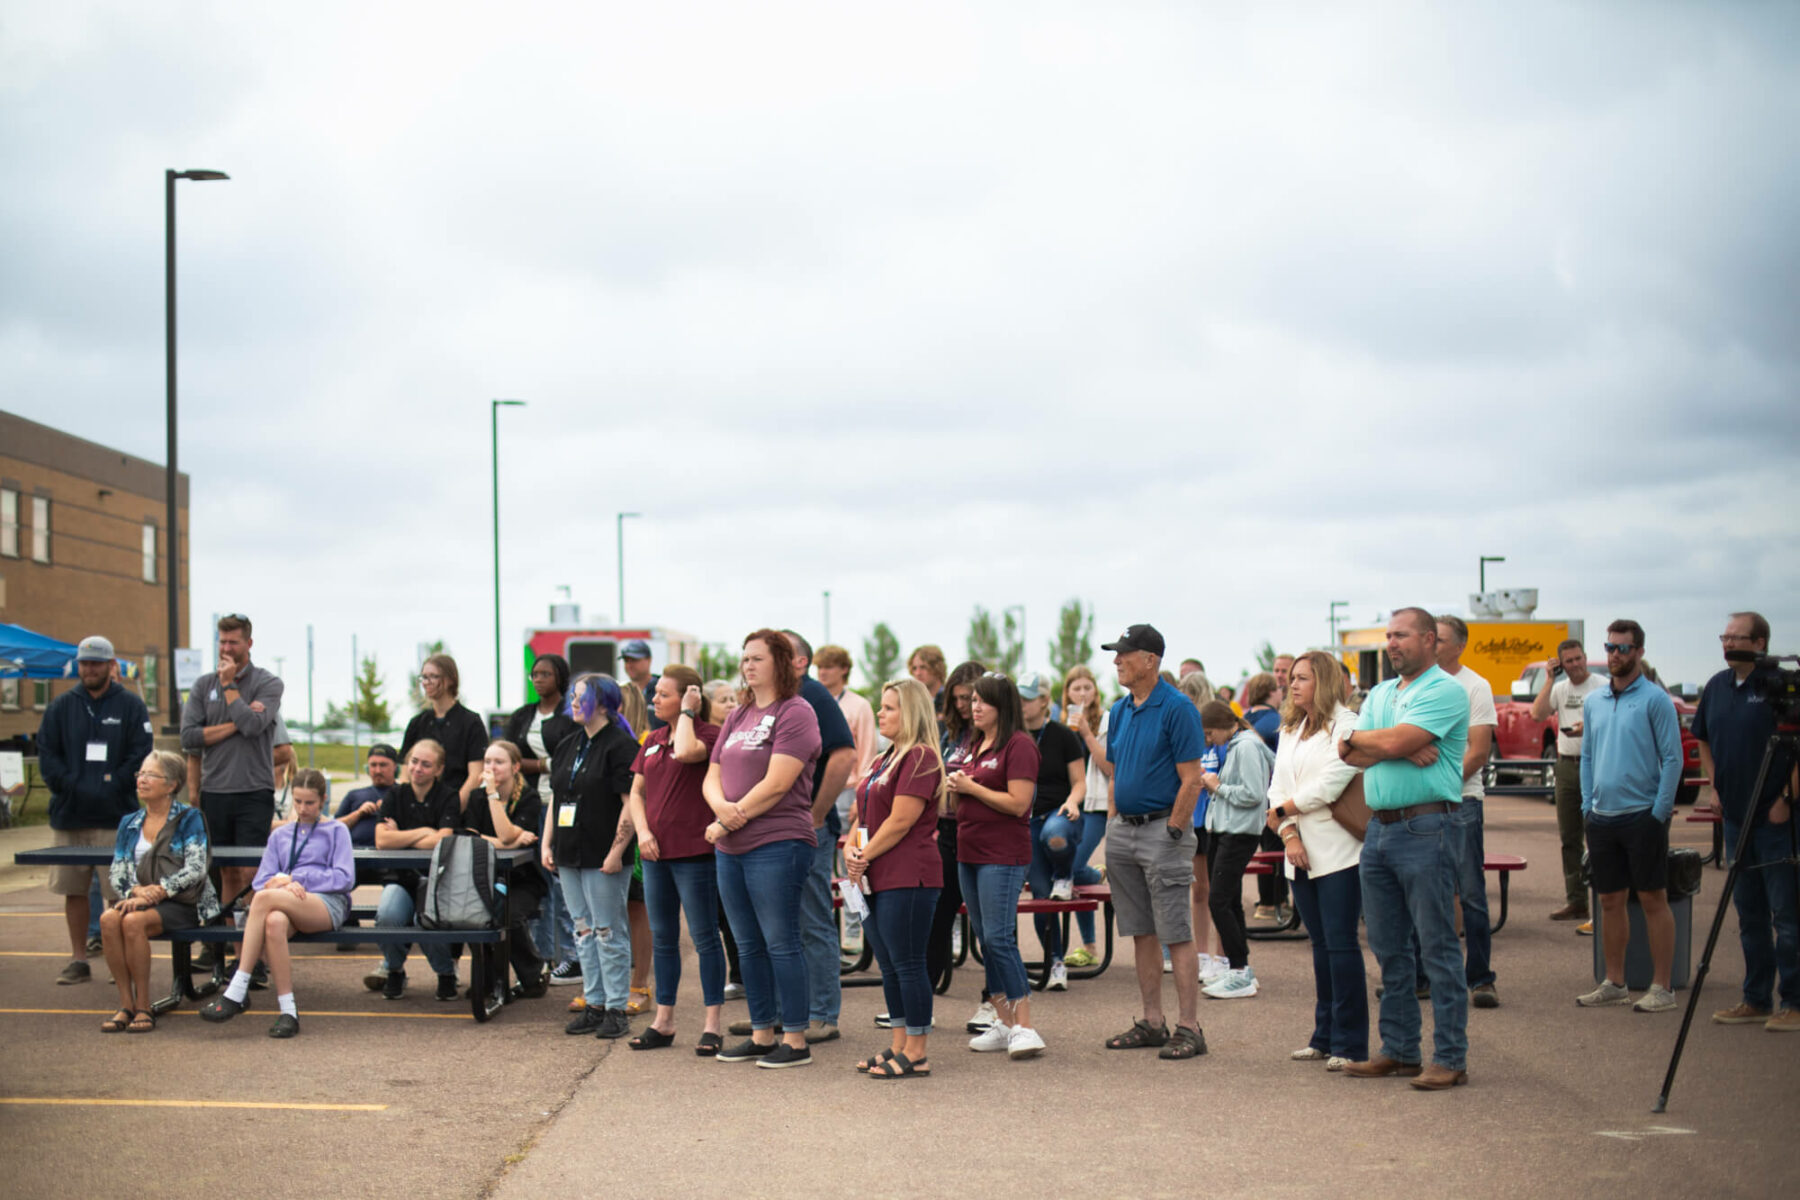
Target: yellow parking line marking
[(83, 1101), (297, 957), (183, 1012), (30, 914)]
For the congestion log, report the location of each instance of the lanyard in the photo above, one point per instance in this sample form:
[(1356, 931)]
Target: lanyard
[(580, 757), (298, 846), (869, 781)]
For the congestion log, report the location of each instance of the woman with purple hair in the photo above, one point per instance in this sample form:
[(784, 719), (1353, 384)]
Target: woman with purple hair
[(587, 835)]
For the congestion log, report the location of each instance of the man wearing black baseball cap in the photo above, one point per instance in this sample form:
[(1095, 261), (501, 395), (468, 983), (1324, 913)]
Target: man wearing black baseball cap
[(358, 809), (635, 654), (1154, 742)]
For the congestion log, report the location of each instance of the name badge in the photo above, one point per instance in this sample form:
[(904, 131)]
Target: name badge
[(767, 721), (565, 817), (651, 753), (96, 751)]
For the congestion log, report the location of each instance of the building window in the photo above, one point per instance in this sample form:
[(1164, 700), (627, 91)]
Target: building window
[(149, 551), (150, 682), (40, 529), (9, 694), (9, 523), (40, 694)]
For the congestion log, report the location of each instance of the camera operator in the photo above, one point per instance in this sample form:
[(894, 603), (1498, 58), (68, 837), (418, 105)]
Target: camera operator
[(1733, 726)]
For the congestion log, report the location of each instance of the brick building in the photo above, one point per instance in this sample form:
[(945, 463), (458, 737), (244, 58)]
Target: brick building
[(83, 551)]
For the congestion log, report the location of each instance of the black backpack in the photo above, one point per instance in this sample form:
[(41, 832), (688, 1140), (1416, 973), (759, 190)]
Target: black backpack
[(458, 890)]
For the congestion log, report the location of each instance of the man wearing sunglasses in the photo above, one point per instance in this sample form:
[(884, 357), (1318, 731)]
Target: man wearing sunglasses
[(1630, 768)]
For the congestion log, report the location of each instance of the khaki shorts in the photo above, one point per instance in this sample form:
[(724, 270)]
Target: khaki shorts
[(74, 881), (1150, 874)]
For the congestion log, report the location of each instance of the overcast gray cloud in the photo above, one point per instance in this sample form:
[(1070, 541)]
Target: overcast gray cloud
[(1207, 315)]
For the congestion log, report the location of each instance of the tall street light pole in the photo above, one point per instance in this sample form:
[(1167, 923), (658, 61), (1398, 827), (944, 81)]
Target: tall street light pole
[(494, 407), (1335, 605), (622, 517), (1485, 560), (827, 615), (172, 530)]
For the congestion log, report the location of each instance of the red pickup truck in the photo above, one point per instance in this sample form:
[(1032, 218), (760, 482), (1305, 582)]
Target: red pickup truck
[(1520, 737)]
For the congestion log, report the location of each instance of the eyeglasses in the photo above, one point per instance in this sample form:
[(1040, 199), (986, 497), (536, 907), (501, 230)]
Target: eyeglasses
[(1736, 637), (1618, 648), (151, 775), (996, 675)]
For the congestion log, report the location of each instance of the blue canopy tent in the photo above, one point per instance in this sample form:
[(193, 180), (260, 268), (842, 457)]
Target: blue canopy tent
[(25, 654)]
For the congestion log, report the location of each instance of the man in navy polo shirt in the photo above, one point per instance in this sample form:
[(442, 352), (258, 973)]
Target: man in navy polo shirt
[(1733, 725), (1154, 742)]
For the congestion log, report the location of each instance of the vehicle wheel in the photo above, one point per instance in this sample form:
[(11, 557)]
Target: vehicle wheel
[(1549, 773)]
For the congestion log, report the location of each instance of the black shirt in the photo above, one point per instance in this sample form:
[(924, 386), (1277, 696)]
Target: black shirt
[(590, 779), (462, 734), (402, 806), (557, 726), (1058, 746), (1736, 724), (527, 813)]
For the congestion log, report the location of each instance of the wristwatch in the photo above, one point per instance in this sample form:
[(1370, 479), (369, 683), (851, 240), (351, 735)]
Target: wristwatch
[(1175, 832), (690, 714)]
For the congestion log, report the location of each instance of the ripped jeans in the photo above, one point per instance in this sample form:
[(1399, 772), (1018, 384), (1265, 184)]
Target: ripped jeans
[(596, 903)]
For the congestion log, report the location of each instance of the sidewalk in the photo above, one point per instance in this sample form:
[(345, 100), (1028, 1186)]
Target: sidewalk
[(14, 878)]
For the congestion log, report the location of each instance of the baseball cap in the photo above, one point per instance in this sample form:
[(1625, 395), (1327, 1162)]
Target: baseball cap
[(94, 649), (1031, 685), (635, 648), (383, 750), (1138, 637)]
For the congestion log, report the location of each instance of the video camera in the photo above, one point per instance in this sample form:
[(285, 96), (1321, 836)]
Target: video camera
[(1778, 686)]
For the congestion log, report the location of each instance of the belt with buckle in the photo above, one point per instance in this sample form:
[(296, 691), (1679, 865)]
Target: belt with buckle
[(1393, 816), (1145, 818)]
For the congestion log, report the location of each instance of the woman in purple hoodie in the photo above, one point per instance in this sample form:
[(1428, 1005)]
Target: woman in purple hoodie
[(308, 870)]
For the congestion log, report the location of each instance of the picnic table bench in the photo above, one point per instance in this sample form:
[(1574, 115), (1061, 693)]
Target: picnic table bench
[(1090, 898), (1708, 817), (1265, 861), (488, 967)]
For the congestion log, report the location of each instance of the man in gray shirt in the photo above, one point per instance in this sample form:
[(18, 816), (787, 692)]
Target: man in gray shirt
[(228, 731)]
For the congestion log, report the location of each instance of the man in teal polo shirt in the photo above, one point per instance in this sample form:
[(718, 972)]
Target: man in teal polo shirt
[(1410, 740)]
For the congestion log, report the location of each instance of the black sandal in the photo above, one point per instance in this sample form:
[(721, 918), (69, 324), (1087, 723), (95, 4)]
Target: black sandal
[(1142, 1034), (1184, 1043), (908, 1068), (112, 1024), (709, 1045), (875, 1060), (142, 1021), (651, 1039)]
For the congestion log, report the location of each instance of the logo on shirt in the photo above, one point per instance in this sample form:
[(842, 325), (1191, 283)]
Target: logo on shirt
[(747, 739), (111, 721), (987, 764)]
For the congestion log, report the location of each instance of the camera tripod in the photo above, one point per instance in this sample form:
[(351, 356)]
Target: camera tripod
[(1779, 757)]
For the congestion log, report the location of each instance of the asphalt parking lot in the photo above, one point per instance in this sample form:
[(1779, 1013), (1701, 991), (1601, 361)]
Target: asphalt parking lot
[(414, 1093)]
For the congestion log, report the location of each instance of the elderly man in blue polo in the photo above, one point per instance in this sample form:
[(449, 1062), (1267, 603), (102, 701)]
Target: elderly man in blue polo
[(1410, 740), (1154, 743)]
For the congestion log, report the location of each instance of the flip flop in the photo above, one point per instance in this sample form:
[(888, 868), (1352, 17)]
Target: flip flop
[(651, 1039), (709, 1045), (908, 1068)]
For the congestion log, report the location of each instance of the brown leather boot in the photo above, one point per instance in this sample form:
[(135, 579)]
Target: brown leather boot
[(1570, 912), (1438, 1078), (1381, 1066)]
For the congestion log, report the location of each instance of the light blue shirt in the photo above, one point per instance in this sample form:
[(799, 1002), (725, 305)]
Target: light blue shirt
[(1630, 751), (1437, 704)]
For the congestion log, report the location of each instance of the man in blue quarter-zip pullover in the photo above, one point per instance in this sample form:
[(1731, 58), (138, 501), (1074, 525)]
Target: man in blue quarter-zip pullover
[(1630, 767)]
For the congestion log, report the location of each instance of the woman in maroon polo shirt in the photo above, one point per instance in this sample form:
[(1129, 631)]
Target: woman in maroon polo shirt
[(993, 849), (898, 801), (671, 816)]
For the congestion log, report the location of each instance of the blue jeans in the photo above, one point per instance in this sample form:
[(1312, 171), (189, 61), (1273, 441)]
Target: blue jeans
[(1093, 830), (1047, 865), (552, 932), (991, 894), (96, 905), (1330, 908), (819, 934), (671, 888), (1768, 925), (596, 903), (1471, 887), (396, 908), (1409, 874), (761, 890), (898, 928)]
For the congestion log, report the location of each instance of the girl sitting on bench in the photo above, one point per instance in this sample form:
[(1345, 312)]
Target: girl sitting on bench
[(303, 886)]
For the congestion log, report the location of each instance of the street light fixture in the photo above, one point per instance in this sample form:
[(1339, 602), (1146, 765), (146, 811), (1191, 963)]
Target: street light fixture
[(172, 530), (1335, 605), (622, 517), (1485, 560), (494, 407)]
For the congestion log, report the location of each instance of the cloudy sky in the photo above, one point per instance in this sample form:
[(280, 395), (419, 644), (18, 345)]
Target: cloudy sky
[(1206, 314)]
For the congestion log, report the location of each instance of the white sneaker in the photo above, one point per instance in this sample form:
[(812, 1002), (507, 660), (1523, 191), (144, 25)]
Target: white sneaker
[(1657, 999), (1062, 889), (998, 1036), (1308, 1055), (1059, 977), (1168, 963), (1604, 996), (1334, 1063), (1233, 985), (1023, 1042), (1213, 969), (985, 1018)]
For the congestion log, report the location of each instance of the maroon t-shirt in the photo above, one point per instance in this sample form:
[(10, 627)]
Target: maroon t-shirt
[(987, 835), (749, 739), (673, 807), (913, 861)]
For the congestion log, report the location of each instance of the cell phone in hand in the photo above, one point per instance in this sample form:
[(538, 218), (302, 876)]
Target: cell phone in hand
[(1568, 730)]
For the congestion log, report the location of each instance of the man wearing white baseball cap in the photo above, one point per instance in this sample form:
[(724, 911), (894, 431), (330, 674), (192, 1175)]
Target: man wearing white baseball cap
[(89, 746)]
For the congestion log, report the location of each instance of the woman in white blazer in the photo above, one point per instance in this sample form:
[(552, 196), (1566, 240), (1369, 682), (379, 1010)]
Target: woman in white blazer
[(1322, 855)]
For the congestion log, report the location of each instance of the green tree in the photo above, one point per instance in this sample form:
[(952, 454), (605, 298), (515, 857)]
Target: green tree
[(718, 661), (1074, 642), (997, 647), (1265, 656), (417, 694), (335, 717), (880, 660), (369, 709)]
